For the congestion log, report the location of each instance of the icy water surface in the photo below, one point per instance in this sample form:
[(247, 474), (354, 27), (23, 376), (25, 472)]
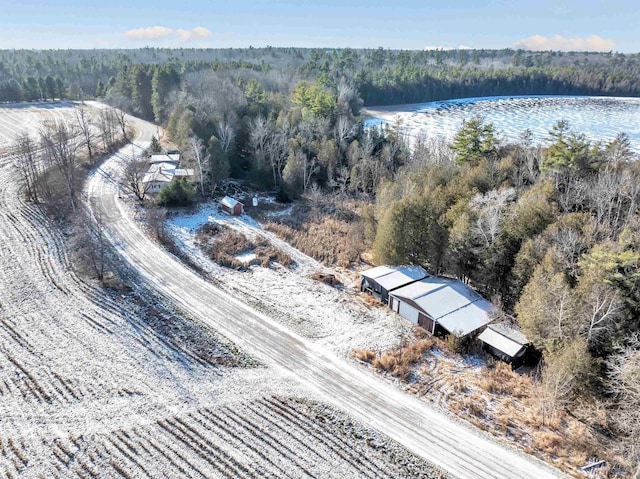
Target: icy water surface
[(599, 118)]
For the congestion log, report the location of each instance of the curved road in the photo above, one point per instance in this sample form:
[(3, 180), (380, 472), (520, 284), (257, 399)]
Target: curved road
[(416, 425)]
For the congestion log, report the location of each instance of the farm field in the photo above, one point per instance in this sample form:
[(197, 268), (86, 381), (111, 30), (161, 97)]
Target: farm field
[(99, 384), (599, 118)]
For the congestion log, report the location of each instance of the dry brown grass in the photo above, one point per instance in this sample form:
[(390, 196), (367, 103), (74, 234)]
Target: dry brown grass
[(500, 379), (399, 362), (496, 399), (222, 245), (364, 355), (328, 239)]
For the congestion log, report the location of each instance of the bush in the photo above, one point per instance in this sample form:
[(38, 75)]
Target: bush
[(364, 355), (179, 193), (398, 361), (461, 345)]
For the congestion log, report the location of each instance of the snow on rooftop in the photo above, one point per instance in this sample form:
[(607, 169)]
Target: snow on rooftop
[(229, 202), (468, 319), (423, 287), (391, 277), (511, 331), (500, 342), (378, 271), (453, 304), (172, 158)]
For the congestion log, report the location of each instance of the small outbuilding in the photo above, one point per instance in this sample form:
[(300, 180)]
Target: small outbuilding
[(232, 206), (505, 341), (381, 280), (169, 157), (442, 305)]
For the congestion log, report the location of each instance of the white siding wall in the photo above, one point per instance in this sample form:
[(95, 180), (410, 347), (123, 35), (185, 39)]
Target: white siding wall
[(407, 311)]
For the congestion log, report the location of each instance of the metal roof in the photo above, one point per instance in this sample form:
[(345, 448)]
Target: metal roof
[(468, 318), (229, 202), (500, 342), (171, 158), (392, 277), (160, 172), (378, 271), (511, 331), (450, 302)]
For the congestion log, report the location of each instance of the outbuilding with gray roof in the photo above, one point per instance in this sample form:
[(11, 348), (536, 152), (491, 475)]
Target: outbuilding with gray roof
[(381, 280), (446, 303)]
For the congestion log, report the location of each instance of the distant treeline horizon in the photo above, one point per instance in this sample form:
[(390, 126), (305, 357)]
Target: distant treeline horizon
[(380, 76)]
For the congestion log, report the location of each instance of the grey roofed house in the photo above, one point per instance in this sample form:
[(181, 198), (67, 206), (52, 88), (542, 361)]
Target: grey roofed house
[(381, 280), (506, 341), (442, 302), (162, 173)]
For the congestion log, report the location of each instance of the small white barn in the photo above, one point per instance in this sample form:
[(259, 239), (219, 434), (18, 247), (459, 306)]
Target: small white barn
[(442, 303), (381, 280)]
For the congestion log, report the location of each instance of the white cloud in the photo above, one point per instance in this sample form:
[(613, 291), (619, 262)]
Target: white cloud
[(149, 33), (158, 32), (440, 47), (593, 43), (196, 33)]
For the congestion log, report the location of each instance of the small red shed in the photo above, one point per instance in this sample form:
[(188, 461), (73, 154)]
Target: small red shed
[(231, 206)]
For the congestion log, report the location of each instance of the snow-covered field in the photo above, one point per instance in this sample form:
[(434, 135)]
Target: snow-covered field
[(97, 384), (599, 118), (331, 317)]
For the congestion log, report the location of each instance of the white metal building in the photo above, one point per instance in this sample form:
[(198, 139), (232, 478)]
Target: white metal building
[(381, 280), (442, 302)]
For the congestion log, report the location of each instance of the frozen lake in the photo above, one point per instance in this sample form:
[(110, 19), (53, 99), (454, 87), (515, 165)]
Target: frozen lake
[(599, 118)]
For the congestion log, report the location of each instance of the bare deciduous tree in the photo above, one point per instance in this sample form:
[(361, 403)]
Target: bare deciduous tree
[(90, 240), (277, 149), (344, 132), (258, 136), (121, 119), (26, 160), (226, 135), (60, 145), (624, 382), (197, 152), (108, 125), (309, 168), (84, 124), (133, 178)]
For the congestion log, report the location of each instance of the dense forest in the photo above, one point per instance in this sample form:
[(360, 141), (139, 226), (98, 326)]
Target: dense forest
[(381, 76), (551, 233)]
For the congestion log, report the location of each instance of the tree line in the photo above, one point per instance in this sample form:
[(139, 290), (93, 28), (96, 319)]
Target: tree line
[(381, 76)]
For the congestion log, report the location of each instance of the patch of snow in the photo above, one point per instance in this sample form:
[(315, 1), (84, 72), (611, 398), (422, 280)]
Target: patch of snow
[(333, 318), (279, 214), (246, 257)]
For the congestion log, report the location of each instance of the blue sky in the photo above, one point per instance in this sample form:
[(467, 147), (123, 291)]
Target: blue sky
[(414, 24)]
